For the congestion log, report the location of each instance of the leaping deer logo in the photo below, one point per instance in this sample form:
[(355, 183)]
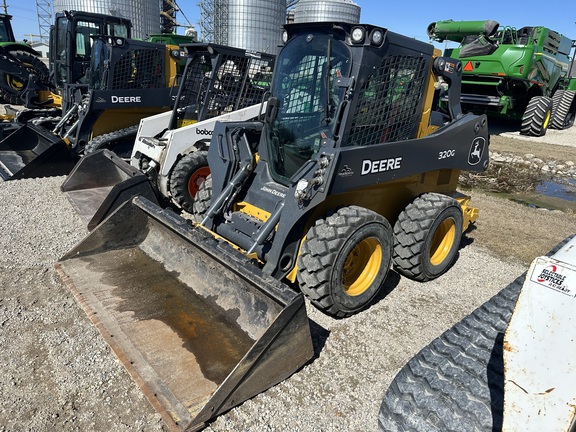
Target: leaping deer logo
[(476, 150)]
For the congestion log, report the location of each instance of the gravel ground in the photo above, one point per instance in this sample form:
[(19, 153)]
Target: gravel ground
[(58, 374)]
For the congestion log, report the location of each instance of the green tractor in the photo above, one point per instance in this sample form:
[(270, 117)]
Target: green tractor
[(13, 54), (522, 74)]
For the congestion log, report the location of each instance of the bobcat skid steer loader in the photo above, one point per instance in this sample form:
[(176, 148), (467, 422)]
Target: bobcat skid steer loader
[(169, 155)]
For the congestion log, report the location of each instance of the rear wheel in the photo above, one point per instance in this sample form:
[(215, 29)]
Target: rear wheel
[(344, 260), (187, 177), (18, 85), (426, 236), (563, 109), (537, 116)]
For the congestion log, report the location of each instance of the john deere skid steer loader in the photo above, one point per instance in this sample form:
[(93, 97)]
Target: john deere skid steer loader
[(169, 158), (351, 170), (126, 80)]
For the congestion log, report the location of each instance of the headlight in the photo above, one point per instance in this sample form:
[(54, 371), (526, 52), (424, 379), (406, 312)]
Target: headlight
[(284, 36), (357, 35), (377, 37)]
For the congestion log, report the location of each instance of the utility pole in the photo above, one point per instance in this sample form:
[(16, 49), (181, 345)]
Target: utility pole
[(5, 6), (45, 12)]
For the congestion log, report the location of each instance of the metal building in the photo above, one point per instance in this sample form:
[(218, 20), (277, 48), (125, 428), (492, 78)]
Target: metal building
[(327, 10), (144, 14)]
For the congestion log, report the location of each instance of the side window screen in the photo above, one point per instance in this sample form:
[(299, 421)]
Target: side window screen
[(390, 101)]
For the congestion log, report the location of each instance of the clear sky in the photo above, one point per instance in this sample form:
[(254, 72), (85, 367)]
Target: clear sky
[(410, 18)]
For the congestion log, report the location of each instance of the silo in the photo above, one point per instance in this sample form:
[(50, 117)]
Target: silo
[(256, 24), (144, 14), (327, 10)]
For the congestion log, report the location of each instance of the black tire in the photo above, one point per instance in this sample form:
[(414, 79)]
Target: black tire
[(427, 235), (203, 200), (186, 178), (563, 109), (18, 86), (536, 118), (344, 260), (120, 142), (456, 383)]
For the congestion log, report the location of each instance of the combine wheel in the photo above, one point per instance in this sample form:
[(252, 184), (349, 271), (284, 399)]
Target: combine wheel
[(537, 116), (187, 176), (344, 260), (426, 236), (563, 109), (120, 142), (30, 60), (203, 199)]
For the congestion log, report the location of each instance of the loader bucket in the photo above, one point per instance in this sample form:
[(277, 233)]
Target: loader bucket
[(32, 151), (101, 182), (197, 325)]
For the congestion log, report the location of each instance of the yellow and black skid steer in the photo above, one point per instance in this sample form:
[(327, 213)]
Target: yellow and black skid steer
[(127, 80), (353, 168)]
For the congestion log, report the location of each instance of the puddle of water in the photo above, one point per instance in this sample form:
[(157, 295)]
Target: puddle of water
[(558, 188)]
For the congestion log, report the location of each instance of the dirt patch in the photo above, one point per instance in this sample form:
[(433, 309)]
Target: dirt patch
[(542, 150), (515, 231)]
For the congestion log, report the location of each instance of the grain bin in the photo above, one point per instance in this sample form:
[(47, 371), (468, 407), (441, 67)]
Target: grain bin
[(144, 14), (327, 10), (256, 24)]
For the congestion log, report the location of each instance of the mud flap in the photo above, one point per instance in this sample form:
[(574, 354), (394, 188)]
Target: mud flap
[(32, 151), (197, 325), (101, 182)]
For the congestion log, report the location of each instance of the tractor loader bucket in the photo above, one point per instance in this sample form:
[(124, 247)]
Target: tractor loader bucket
[(101, 182), (32, 151), (197, 325)]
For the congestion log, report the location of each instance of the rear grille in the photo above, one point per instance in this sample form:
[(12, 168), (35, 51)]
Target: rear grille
[(139, 69)]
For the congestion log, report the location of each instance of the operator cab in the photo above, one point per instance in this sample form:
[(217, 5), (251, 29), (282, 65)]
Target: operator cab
[(71, 55)]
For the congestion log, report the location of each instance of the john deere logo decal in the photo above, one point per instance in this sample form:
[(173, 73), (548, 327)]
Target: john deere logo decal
[(476, 150)]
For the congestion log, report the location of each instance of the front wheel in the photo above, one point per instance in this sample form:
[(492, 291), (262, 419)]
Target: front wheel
[(120, 142), (203, 200), (187, 177), (427, 235), (537, 116), (344, 260)]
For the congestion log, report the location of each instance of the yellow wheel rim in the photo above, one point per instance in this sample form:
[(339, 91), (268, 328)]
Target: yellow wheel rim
[(442, 241), (547, 119), (14, 83), (362, 266)]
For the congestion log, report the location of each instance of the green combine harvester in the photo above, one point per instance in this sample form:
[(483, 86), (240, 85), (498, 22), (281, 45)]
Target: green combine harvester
[(525, 74)]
